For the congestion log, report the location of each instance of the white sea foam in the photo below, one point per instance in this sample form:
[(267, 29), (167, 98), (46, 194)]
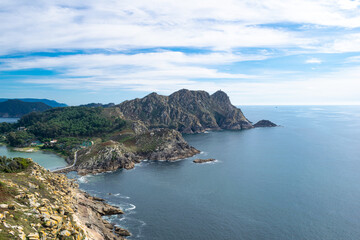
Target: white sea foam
[(118, 195), (83, 179), (132, 207), (204, 153)]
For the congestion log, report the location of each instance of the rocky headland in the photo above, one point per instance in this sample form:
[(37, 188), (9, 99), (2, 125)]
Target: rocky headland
[(38, 204), (186, 111), (155, 144)]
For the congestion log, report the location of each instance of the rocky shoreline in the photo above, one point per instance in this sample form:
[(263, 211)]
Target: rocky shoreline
[(204, 160), (39, 204), (157, 144)]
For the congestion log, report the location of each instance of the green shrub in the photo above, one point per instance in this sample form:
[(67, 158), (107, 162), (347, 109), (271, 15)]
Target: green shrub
[(13, 165)]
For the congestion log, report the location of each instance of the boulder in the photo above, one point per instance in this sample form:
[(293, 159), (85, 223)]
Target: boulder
[(204, 160), (121, 231)]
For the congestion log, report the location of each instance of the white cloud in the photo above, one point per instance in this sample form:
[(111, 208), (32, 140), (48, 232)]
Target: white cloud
[(41, 25), (338, 87), (354, 59), (100, 71), (221, 28), (313, 60)]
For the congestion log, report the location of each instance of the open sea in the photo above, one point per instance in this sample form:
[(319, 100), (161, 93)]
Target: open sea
[(300, 181)]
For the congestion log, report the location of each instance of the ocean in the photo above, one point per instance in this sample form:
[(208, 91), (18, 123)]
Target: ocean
[(299, 181)]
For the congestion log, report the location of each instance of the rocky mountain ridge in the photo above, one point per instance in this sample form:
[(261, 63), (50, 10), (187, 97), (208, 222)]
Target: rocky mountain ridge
[(186, 111)]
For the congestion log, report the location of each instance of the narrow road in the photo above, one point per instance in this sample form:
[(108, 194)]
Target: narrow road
[(64, 168)]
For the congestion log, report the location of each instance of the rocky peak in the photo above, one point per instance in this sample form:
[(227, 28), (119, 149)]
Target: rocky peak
[(185, 95), (187, 111), (220, 97)]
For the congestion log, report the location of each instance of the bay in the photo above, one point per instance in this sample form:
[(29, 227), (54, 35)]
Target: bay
[(47, 160)]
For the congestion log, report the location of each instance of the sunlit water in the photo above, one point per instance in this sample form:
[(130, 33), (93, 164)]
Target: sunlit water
[(45, 159)]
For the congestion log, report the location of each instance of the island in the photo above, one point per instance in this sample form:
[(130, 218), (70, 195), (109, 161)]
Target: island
[(106, 138)]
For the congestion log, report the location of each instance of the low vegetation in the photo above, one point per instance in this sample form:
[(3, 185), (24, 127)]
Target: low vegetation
[(70, 122), (13, 165), (62, 129)]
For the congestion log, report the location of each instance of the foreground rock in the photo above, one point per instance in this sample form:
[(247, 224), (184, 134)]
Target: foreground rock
[(204, 160), (54, 209), (265, 123)]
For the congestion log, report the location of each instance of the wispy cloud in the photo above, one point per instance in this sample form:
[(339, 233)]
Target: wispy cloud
[(313, 60), (163, 45), (39, 25)]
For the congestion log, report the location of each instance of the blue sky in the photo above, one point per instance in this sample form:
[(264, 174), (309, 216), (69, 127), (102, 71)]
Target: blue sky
[(259, 52)]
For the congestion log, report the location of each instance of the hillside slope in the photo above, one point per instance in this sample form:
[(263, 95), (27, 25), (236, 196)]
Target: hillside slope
[(17, 108), (48, 102), (38, 204)]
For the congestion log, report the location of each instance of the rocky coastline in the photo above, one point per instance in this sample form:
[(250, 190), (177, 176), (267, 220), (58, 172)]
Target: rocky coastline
[(38, 204), (156, 145)]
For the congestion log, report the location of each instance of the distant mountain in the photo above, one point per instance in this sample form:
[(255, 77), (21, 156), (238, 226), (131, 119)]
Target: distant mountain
[(98, 105), (48, 102), (186, 111), (17, 108)]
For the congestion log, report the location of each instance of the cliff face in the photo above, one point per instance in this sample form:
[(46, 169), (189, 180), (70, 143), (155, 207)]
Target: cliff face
[(187, 111), (38, 204), (157, 144)]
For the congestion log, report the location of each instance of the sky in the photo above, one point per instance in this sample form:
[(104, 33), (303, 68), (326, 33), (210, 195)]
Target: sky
[(260, 52)]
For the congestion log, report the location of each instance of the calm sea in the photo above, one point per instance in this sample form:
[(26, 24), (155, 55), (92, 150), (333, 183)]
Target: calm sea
[(45, 159), (299, 181), (295, 182)]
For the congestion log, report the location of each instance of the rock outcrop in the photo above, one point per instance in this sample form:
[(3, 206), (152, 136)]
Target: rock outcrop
[(156, 144), (265, 123), (38, 204), (204, 160), (187, 111)]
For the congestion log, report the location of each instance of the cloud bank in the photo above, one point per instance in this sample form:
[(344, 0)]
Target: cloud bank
[(241, 46)]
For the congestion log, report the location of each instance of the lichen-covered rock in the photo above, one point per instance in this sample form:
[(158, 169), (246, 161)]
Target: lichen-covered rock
[(56, 210), (139, 127), (102, 157), (155, 144)]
